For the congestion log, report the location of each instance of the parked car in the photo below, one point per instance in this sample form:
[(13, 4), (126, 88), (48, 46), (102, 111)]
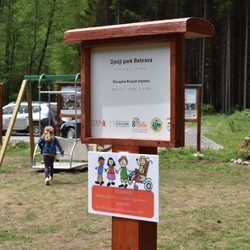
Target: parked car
[(43, 112), (68, 129)]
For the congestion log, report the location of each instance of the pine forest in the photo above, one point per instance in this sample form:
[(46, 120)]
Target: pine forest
[(32, 41)]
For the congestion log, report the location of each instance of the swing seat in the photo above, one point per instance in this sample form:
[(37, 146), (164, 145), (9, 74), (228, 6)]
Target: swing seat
[(75, 155)]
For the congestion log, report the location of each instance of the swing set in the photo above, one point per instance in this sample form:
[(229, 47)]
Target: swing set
[(75, 153)]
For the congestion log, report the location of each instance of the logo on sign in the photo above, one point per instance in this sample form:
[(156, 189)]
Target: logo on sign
[(138, 125), (156, 124), (98, 123)]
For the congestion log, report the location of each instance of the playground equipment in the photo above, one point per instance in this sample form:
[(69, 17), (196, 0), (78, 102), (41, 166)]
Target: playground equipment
[(75, 152), (75, 155), (48, 78)]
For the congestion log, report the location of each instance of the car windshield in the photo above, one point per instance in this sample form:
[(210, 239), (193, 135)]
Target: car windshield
[(8, 110), (23, 109), (36, 109)]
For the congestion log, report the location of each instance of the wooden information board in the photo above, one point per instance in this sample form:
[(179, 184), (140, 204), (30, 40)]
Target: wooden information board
[(133, 84)]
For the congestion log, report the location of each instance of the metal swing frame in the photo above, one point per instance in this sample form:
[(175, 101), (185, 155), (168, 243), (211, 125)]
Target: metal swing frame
[(72, 147)]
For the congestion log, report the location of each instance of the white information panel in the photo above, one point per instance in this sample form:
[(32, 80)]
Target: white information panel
[(130, 92), (191, 103), (69, 105)]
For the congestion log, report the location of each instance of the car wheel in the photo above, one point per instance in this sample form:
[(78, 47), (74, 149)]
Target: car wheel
[(37, 131), (71, 133)]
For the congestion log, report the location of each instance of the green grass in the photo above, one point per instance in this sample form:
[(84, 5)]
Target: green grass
[(18, 148), (227, 130), (204, 201), (11, 235)]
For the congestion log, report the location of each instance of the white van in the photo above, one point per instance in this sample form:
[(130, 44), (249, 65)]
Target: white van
[(41, 112)]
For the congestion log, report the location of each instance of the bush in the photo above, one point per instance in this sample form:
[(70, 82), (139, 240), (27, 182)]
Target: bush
[(207, 109)]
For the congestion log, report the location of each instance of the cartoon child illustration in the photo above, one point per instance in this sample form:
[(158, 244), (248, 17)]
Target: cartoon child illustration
[(100, 168), (111, 171), (123, 161), (142, 164), (141, 172)]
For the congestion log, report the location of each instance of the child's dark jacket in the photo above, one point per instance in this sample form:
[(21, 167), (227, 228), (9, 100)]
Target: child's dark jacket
[(49, 147)]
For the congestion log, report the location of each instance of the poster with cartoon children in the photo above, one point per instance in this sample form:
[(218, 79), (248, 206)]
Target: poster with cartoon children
[(124, 185)]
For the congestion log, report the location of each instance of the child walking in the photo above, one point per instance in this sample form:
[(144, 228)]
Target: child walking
[(48, 144)]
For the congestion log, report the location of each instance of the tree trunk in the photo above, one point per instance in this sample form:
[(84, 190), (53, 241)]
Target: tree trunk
[(7, 56), (33, 50), (176, 8), (228, 65), (203, 48), (46, 41), (245, 61)]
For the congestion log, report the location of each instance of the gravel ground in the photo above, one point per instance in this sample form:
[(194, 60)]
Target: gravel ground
[(191, 140)]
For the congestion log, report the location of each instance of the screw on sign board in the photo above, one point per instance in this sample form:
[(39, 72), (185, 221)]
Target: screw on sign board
[(133, 84)]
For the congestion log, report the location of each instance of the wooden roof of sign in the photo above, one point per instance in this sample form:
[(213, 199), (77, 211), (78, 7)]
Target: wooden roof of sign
[(190, 27)]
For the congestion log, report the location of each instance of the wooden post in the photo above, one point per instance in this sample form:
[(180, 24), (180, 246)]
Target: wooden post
[(31, 129), (134, 234), (1, 113), (199, 120), (12, 121)]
